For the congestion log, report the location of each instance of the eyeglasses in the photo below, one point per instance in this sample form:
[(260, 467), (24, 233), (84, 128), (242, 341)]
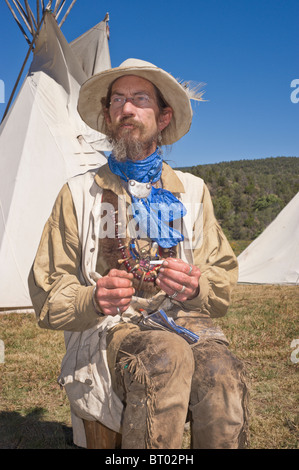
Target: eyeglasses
[(140, 100)]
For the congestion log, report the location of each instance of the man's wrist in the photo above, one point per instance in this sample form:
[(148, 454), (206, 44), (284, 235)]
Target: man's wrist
[(95, 306), (196, 294)]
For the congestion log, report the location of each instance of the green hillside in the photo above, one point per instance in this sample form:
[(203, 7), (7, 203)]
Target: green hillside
[(248, 194)]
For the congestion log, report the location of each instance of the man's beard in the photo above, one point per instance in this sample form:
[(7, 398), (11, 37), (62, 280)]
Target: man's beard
[(127, 146)]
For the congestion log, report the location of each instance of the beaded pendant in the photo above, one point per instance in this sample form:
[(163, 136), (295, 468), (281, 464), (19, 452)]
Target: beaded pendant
[(143, 264)]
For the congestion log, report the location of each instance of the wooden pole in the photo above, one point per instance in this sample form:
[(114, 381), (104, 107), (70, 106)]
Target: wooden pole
[(59, 10), (22, 13), (37, 11), (49, 6), (32, 16), (29, 16), (56, 6), (22, 69), (99, 436), (18, 22), (67, 13)]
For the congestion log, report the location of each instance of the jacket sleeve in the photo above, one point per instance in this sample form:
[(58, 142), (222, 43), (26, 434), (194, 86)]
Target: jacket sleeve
[(59, 299), (217, 263)]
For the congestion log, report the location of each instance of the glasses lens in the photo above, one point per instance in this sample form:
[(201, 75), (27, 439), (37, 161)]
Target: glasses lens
[(117, 102), (139, 100)]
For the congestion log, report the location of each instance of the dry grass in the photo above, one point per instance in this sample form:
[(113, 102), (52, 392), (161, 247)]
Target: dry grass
[(261, 324)]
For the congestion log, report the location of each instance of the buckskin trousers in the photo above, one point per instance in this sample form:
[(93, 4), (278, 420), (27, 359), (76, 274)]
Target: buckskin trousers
[(161, 379)]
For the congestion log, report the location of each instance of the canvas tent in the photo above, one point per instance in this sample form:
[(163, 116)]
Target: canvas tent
[(273, 257), (43, 142)]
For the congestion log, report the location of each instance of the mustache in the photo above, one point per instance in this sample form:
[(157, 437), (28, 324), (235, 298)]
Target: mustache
[(129, 121)]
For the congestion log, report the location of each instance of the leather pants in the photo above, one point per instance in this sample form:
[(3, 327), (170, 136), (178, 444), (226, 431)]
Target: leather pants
[(161, 379)]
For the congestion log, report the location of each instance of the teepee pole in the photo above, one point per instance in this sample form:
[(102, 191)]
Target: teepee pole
[(22, 13), (37, 11), (17, 82), (56, 6), (67, 13), (32, 16), (30, 21), (18, 22), (21, 7), (22, 69), (59, 9), (29, 16), (49, 6)]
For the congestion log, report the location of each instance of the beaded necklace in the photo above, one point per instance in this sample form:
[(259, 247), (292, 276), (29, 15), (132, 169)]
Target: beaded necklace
[(143, 263)]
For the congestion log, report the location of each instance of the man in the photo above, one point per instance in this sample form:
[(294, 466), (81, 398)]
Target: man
[(130, 245)]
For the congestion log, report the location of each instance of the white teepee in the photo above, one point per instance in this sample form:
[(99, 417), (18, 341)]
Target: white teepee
[(43, 142), (273, 257)]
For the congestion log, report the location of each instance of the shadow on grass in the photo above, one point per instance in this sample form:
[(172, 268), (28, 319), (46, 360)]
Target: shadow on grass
[(33, 432)]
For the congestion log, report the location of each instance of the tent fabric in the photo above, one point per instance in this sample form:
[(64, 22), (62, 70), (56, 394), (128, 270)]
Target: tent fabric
[(94, 58), (273, 257), (43, 142)]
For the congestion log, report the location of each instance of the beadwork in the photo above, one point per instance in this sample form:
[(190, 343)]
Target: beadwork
[(135, 262)]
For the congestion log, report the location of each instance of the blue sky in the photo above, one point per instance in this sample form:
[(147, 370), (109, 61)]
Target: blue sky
[(245, 51)]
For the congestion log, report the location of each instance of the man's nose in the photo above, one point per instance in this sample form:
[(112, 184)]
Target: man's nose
[(128, 107)]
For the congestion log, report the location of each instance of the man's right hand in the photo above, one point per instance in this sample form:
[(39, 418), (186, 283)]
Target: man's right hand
[(114, 292)]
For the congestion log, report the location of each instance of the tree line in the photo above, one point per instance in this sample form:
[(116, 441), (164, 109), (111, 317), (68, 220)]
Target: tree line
[(248, 194)]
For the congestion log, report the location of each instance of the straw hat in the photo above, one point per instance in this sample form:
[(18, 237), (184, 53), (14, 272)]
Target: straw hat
[(175, 94)]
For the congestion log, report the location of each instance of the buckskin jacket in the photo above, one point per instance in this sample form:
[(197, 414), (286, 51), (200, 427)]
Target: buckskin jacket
[(62, 280)]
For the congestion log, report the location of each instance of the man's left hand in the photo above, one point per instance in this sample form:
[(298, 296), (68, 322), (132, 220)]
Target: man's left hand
[(178, 279)]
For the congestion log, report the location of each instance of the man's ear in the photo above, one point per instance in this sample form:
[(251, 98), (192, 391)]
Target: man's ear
[(165, 118), (105, 111), (106, 115)]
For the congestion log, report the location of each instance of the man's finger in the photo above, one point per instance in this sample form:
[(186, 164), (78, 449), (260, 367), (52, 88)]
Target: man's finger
[(177, 264), (115, 281), (112, 294), (120, 273)]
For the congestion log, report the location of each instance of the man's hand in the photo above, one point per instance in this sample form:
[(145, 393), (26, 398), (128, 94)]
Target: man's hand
[(178, 279), (114, 292)]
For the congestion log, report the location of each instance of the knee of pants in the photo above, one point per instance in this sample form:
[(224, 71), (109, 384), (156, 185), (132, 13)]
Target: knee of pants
[(216, 367), (156, 352)]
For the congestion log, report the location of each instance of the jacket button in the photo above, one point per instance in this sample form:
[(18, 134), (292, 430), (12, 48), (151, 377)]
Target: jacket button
[(88, 381)]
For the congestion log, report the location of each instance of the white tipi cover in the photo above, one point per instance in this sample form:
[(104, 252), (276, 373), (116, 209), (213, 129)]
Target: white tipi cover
[(43, 142), (273, 258)]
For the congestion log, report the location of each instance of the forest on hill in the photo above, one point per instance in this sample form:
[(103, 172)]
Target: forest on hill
[(248, 194)]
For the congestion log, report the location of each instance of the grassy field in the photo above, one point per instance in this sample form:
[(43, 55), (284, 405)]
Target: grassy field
[(261, 325)]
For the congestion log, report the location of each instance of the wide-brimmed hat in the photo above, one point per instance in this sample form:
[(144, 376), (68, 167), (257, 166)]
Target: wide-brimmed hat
[(175, 94)]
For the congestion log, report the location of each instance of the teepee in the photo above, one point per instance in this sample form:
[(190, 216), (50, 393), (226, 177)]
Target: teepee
[(51, 144), (273, 257)]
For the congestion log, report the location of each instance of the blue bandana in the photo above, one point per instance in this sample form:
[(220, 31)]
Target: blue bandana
[(155, 212)]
